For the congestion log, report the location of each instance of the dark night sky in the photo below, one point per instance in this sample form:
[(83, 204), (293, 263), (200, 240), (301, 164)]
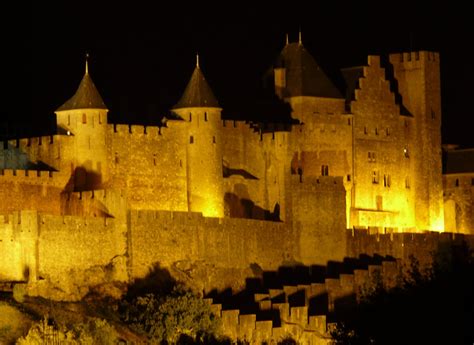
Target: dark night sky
[(142, 55)]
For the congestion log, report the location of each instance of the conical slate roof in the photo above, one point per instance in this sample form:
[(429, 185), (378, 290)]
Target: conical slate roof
[(304, 77), (198, 93), (86, 96)]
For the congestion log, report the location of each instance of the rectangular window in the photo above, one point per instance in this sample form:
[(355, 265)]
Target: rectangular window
[(371, 156), (407, 182), (205, 116), (376, 131), (375, 177), (213, 139), (324, 170), (349, 178), (387, 180), (406, 153), (84, 118), (191, 139), (365, 129), (387, 131), (472, 182)]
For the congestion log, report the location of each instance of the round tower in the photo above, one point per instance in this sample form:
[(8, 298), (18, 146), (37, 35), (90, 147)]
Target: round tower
[(84, 119), (199, 107)]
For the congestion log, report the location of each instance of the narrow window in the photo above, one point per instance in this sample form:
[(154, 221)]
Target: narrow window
[(190, 117), (84, 118), (40, 141), (387, 131), (100, 120), (376, 131), (386, 181), (205, 116), (116, 158), (457, 182), (154, 159), (406, 153), (69, 119), (191, 139), (324, 170), (213, 139), (472, 182), (433, 115), (365, 129), (349, 122), (349, 178), (375, 177), (407, 182)]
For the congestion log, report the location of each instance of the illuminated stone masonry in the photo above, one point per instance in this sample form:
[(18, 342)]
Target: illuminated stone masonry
[(97, 203)]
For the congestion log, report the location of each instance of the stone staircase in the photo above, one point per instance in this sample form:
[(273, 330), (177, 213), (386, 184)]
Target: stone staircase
[(302, 305)]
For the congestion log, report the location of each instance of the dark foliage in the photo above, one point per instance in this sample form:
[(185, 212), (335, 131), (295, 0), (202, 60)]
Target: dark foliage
[(427, 308)]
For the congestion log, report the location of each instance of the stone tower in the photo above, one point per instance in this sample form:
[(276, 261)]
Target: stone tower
[(418, 76), (84, 119), (200, 108)]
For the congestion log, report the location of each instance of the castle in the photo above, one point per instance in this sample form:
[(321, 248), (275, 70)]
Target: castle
[(210, 198)]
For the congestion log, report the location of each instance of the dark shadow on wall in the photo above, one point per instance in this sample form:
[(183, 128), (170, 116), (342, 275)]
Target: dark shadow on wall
[(227, 172), (83, 180), (244, 208), (158, 281), (290, 284)]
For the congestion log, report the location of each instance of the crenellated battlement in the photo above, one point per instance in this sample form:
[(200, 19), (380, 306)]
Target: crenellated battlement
[(414, 59), (77, 223), (31, 176), (317, 182), (146, 131)]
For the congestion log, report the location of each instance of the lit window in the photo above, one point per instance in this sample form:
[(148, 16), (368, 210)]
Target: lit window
[(406, 153)]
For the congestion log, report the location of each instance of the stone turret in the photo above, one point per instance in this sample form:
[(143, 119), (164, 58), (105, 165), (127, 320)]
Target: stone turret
[(200, 108), (84, 118)]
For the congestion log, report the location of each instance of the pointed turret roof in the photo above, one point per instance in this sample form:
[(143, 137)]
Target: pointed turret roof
[(86, 96), (304, 77), (198, 93)]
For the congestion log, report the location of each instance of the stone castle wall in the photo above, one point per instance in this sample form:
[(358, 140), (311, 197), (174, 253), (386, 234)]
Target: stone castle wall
[(459, 202), (151, 162), (30, 190)]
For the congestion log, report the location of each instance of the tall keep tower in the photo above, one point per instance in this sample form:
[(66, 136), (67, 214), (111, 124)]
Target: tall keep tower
[(200, 108), (418, 76), (84, 118)]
